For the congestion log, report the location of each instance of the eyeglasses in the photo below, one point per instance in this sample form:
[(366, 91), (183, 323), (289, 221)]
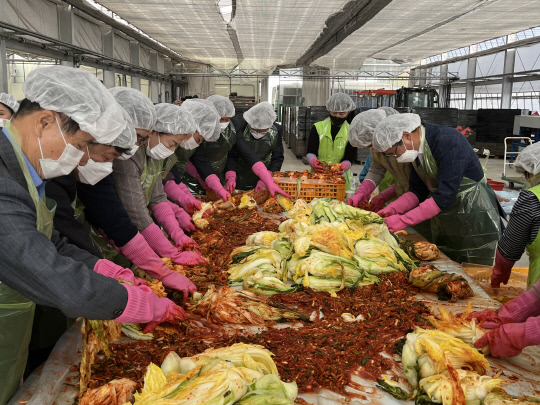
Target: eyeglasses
[(395, 150)]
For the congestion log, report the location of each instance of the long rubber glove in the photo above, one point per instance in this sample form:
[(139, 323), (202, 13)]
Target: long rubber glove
[(266, 177), (165, 216), (176, 193), (518, 310), (183, 218), (192, 170), (144, 306), (214, 184), (405, 203), (428, 209), (109, 269), (377, 202), (159, 243), (362, 194), (141, 254), (510, 339), (314, 162), (345, 165), (190, 196), (230, 177), (501, 270)]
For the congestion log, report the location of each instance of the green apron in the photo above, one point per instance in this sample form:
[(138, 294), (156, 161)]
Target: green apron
[(333, 151), (152, 172), (263, 148), (399, 173), (533, 250), (468, 230), (179, 161), (216, 153), (17, 311)]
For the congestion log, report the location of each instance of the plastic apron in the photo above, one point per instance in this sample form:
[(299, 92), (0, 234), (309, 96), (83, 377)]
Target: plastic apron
[(177, 163), (400, 173), (152, 173), (17, 311), (263, 148), (333, 151), (533, 250), (468, 230)]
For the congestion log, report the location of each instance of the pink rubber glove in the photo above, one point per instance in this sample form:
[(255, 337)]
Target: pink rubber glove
[(345, 165), (428, 209), (179, 282), (144, 306), (314, 162), (266, 177), (517, 310), (260, 186), (183, 218), (192, 170), (362, 194), (501, 270), (214, 184), (159, 243), (377, 202), (109, 269), (510, 339), (230, 176), (403, 204), (176, 193), (165, 216)]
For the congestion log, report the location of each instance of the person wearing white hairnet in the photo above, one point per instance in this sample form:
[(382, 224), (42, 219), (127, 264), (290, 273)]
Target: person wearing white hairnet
[(516, 324), (258, 150), (449, 199), (65, 110), (138, 181), (328, 140), (382, 169), (8, 107)]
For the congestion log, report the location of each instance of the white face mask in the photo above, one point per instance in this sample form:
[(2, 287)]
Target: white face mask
[(408, 156), (126, 155), (224, 125), (190, 144), (257, 135), (92, 172), (65, 164), (158, 152)]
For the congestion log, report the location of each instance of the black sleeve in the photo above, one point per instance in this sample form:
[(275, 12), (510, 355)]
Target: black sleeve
[(522, 227), (350, 153), (201, 163), (313, 141), (277, 153), (417, 186), (104, 210), (242, 149), (231, 164), (63, 191)]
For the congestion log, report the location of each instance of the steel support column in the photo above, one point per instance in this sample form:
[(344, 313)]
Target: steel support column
[(134, 54), (507, 85), (107, 39), (469, 88)]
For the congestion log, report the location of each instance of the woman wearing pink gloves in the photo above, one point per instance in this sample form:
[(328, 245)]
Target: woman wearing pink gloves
[(447, 187), (139, 186), (361, 136), (522, 230), (515, 326), (329, 139)]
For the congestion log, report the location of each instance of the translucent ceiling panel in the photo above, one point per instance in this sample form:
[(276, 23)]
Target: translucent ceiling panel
[(193, 28), (274, 33), (409, 30)]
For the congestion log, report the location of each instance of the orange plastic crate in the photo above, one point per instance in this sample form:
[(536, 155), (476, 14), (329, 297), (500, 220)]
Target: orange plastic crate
[(310, 188)]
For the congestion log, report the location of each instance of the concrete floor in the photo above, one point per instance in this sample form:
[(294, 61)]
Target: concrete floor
[(494, 171)]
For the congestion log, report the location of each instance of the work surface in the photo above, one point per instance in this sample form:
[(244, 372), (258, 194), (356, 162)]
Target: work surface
[(57, 381)]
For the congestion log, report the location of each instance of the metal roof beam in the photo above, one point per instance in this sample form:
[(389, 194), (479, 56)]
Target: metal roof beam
[(339, 26)]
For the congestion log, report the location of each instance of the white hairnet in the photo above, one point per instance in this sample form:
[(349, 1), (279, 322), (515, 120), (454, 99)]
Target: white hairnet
[(223, 105), (363, 126), (128, 136), (206, 117), (340, 102), (139, 107), (171, 119), (260, 116), (390, 130), (389, 110), (10, 101), (528, 160), (81, 96)]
